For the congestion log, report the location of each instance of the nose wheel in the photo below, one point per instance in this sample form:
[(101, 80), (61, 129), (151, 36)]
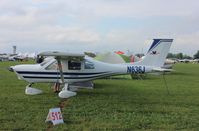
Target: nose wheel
[(32, 91)]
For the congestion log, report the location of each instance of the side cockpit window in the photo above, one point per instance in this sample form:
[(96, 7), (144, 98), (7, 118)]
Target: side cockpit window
[(52, 66), (89, 65), (74, 65)]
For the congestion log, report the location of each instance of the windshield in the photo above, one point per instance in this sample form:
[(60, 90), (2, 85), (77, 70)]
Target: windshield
[(43, 63), (89, 65)]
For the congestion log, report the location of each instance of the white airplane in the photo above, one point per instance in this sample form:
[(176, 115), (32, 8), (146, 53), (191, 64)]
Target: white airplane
[(67, 68)]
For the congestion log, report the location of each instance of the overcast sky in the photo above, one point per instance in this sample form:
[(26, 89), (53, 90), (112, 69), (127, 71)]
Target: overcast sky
[(98, 25)]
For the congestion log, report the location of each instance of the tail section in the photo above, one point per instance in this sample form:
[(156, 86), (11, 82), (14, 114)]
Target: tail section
[(157, 53)]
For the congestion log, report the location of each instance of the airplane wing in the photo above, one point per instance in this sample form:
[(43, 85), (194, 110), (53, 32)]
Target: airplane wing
[(162, 70), (63, 55)]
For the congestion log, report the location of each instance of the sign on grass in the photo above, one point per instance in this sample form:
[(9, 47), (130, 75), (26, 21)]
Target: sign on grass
[(55, 116)]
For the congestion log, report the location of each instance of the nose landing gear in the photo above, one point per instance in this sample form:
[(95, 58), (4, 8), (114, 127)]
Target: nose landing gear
[(32, 91)]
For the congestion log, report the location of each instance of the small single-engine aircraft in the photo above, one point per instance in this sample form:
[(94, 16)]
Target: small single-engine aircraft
[(68, 68)]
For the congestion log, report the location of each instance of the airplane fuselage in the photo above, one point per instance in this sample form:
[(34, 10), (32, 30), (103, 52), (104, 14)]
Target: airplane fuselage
[(87, 70)]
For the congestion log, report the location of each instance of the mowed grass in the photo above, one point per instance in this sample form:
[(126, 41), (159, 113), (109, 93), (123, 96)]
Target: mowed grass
[(113, 104)]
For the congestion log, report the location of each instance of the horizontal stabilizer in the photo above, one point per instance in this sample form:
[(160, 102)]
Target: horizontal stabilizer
[(162, 70)]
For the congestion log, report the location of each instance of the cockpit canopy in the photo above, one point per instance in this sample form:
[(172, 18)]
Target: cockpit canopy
[(68, 64)]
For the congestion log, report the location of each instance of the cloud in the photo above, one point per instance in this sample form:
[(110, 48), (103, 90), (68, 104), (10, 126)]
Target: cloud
[(62, 34), (187, 43), (53, 34), (127, 8), (82, 24)]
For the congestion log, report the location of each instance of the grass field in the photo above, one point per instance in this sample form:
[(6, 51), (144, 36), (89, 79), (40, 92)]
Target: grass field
[(113, 105)]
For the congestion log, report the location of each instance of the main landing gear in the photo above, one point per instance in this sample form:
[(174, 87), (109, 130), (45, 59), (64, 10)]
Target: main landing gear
[(65, 93)]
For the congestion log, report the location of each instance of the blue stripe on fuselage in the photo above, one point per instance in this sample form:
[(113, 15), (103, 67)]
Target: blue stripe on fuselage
[(44, 77), (55, 73)]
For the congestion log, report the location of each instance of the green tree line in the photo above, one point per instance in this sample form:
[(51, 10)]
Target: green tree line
[(183, 56)]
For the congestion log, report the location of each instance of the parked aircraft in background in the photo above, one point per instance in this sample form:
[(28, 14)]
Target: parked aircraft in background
[(17, 57)]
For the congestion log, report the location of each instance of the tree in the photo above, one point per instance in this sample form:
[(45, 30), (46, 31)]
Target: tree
[(179, 55), (170, 55), (187, 57), (196, 56)]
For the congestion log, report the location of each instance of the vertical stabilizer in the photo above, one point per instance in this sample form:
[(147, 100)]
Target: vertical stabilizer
[(157, 53)]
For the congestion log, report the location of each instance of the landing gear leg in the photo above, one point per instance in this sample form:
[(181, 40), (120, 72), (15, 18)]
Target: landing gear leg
[(56, 87), (65, 93)]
